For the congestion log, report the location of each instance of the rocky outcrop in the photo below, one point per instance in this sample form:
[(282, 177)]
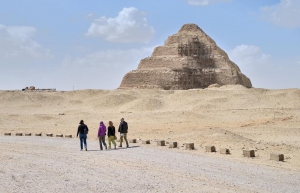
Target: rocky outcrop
[(188, 59)]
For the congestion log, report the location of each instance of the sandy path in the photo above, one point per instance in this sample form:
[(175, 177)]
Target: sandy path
[(40, 164)]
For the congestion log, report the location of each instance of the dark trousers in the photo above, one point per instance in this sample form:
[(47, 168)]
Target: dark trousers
[(102, 140), (82, 138)]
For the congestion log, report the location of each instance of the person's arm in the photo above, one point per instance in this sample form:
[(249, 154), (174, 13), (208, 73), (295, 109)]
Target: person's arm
[(99, 132), (77, 131), (108, 131), (113, 131), (119, 130)]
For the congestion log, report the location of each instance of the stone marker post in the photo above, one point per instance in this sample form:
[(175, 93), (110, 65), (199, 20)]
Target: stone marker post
[(210, 149), (276, 157), (248, 153), (189, 146)]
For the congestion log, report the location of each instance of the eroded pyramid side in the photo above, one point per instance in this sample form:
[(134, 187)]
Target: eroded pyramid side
[(188, 59)]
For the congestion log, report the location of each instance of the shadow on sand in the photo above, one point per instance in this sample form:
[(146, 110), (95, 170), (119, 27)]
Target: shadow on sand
[(118, 148)]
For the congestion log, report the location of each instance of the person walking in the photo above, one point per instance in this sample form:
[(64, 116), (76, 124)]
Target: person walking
[(82, 131), (123, 130), (111, 133), (101, 135)]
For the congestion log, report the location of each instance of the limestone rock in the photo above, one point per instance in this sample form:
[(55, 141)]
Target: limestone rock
[(188, 59), (173, 145), (189, 146)]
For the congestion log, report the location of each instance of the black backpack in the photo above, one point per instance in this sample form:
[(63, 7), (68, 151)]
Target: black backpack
[(85, 130)]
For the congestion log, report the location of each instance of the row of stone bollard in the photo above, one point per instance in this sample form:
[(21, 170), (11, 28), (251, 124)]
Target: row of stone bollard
[(190, 146), (39, 134)]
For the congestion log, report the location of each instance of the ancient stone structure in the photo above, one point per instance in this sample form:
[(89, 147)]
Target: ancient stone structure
[(248, 153), (161, 143), (224, 151), (132, 140), (210, 148), (189, 146), (276, 157), (146, 142), (173, 144), (189, 59)]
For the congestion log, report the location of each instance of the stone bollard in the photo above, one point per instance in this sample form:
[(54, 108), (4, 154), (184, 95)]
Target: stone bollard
[(189, 145), (49, 134), (172, 144), (210, 149), (59, 135), (276, 157), (27, 134), (8, 134), (19, 134), (68, 136), (161, 143), (38, 134), (132, 141), (248, 153), (146, 142), (224, 151)]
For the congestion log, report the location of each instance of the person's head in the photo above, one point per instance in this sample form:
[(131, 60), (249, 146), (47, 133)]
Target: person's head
[(122, 119), (101, 123), (81, 122), (110, 123)]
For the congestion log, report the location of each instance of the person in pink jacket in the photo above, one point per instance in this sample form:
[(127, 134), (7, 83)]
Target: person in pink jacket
[(101, 135)]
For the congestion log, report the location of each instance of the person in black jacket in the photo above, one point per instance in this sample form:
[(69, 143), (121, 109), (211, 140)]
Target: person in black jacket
[(123, 130), (111, 133), (82, 132)]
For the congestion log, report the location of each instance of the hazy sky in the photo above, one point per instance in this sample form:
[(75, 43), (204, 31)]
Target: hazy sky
[(92, 44)]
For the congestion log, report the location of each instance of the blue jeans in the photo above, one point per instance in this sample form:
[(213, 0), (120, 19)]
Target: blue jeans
[(82, 137)]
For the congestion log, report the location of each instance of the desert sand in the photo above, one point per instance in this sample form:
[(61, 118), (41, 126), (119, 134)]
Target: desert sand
[(234, 117)]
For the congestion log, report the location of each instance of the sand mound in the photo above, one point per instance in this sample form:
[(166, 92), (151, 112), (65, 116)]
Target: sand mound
[(144, 104), (214, 86), (114, 100), (233, 87)]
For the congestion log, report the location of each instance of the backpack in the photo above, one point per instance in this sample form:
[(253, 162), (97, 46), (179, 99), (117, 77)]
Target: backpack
[(85, 130)]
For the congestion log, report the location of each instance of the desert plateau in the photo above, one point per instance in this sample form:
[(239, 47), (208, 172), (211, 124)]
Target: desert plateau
[(231, 116)]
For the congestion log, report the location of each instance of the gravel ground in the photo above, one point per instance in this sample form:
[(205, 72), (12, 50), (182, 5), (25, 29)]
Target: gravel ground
[(40, 164)]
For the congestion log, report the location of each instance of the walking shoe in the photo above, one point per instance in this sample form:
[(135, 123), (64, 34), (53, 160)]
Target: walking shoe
[(106, 147), (85, 148), (120, 146)]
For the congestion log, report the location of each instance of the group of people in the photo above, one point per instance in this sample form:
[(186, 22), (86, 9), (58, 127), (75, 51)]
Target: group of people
[(111, 134)]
